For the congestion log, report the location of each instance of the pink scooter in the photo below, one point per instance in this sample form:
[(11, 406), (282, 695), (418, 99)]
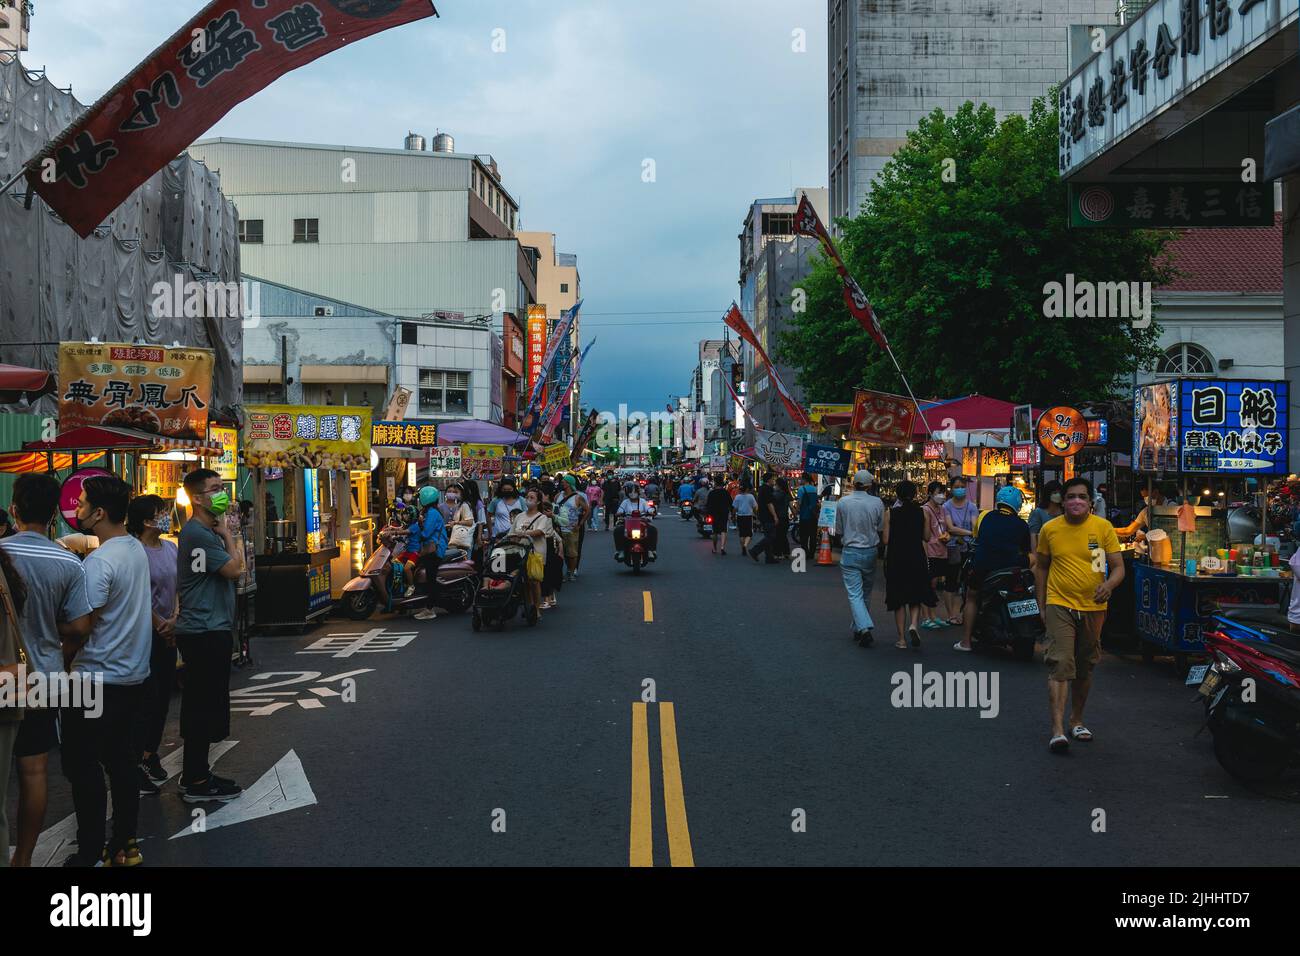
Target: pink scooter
[(458, 582)]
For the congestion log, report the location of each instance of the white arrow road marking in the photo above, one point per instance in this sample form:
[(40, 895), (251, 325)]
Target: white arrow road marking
[(282, 788), (52, 846)]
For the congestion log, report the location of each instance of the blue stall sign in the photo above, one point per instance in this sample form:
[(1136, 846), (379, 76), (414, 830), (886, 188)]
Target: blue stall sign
[(1234, 427), (826, 460)]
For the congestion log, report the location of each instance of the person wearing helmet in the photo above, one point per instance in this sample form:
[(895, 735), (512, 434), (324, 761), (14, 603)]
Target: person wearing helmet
[(1001, 541), (433, 545)]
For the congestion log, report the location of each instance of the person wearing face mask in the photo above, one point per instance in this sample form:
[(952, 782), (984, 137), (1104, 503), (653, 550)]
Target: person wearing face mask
[(1050, 497), (208, 564), (1142, 523), (1002, 540), (633, 504), (936, 557), (57, 609), (117, 652), (959, 515), (1079, 566), (148, 518), (503, 507)]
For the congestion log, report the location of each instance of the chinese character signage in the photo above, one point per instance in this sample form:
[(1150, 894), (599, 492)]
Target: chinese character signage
[(882, 419), (403, 434), (1062, 431), (227, 465), (827, 460), (445, 461), (161, 478), (536, 344), (1170, 204), (1169, 48), (555, 458), (145, 387), (935, 451), (307, 436), (1212, 427), (229, 51), (482, 462), (1026, 456)]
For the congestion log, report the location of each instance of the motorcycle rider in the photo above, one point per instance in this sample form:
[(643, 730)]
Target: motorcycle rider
[(634, 504), (700, 498), (433, 545), (1001, 541)]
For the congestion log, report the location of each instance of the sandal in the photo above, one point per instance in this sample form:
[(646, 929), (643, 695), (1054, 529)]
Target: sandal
[(1080, 732), (916, 637), (901, 645), (1058, 744), (955, 621)]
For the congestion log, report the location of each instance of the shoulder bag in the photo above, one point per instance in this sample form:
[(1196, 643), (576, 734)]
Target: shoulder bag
[(535, 564), (11, 648)]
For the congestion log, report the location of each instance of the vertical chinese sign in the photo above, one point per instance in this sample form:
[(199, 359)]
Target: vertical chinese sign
[(144, 387), (228, 52), (536, 344)]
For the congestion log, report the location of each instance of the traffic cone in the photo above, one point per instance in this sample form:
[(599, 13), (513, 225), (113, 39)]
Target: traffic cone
[(824, 548)]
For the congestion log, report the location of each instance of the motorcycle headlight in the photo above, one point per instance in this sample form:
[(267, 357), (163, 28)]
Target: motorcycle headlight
[(636, 533), (1225, 664)]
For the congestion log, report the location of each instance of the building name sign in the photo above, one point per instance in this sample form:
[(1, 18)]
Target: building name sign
[(1170, 48)]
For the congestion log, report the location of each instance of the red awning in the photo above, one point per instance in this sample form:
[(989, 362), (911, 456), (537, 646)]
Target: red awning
[(110, 438), (973, 413), (17, 381)]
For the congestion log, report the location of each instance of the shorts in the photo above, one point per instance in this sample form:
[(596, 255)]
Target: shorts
[(38, 732), (1073, 642), (939, 569), (570, 539), (406, 556), (745, 526)]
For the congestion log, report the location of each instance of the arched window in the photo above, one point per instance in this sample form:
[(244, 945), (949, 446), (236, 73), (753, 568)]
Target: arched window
[(1185, 358)]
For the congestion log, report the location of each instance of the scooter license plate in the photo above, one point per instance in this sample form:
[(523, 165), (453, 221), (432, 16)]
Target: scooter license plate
[(1196, 675), (1018, 609), (1212, 681)]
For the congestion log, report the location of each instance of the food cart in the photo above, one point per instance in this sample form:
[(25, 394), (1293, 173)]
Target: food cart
[(323, 456), (1195, 430)]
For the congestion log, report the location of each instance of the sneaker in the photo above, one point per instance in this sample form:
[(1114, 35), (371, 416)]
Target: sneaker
[(128, 857), (427, 614), (210, 790), (618, 556), (961, 647), (154, 768), (146, 786)]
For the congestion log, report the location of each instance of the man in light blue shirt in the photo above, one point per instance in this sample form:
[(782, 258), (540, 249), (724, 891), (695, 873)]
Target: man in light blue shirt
[(858, 518)]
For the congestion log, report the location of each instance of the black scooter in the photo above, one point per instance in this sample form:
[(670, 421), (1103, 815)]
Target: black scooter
[(1007, 612)]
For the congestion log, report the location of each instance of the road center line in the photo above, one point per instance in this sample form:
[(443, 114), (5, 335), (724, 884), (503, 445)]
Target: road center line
[(649, 606), (641, 851), (679, 835)]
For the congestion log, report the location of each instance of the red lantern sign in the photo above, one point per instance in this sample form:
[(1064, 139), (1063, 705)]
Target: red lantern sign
[(1062, 431), (882, 419)]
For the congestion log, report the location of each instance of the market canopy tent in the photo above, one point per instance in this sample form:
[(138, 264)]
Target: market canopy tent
[(478, 433), (18, 382), (111, 438)]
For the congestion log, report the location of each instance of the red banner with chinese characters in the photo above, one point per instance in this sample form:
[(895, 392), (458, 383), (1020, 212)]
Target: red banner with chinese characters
[(225, 54), (882, 419), (736, 322), (808, 223)]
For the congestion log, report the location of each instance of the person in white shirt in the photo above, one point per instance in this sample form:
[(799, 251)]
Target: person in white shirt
[(858, 520)]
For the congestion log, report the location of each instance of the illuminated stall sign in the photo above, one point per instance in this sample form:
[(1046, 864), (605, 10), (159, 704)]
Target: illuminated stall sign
[(1234, 427), (404, 434)]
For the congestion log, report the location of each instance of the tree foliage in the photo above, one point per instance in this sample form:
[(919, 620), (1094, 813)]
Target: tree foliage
[(956, 272)]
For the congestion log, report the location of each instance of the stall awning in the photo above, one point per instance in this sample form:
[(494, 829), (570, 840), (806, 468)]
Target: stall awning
[(22, 462), (261, 375), (477, 433), (343, 374), (972, 413), (109, 438), (17, 382)]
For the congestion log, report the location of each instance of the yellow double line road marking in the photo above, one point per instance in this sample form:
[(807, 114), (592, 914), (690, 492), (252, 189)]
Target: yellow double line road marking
[(641, 850), (649, 606)]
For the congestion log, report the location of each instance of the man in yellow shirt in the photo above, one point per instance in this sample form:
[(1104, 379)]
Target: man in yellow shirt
[(1079, 567)]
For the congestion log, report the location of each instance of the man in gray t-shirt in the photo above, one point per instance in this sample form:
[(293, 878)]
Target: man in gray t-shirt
[(207, 565), (57, 609)]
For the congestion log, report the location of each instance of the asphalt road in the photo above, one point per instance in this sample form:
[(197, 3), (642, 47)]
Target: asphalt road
[(781, 745)]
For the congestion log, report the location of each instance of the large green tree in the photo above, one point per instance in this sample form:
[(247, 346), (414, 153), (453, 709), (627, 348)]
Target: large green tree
[(955, 266)]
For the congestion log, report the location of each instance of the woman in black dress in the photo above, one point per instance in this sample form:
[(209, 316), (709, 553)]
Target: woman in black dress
[(781, 499), (907, 578)]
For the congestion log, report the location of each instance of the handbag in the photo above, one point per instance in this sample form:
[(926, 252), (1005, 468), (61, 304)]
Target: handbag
[(462, 536), (534, 564), (16, 654)]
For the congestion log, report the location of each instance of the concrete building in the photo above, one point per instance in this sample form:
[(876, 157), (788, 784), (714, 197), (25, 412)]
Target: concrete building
[(772, 260), (15, 21), (413, 233), (314, 350), (559, 287), (708, 396), (889, 64), (1195, 126)]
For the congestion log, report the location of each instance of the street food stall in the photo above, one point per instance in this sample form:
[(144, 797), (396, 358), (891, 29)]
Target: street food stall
[(322, 455), (1195, 431)]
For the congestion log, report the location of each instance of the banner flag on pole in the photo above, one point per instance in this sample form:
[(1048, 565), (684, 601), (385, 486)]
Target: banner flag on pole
[(726, 380), (560, 333), (564, 387), (229, 51), (736, 322), (808, 223)]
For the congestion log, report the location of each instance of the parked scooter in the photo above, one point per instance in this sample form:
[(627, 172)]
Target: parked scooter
[(457, 583), (1251, 692), (1007, 612)]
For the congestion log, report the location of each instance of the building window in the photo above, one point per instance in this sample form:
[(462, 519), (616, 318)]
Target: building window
[(564, 287), (444, 393), (1185, 359), (778, 224), (250, 230), (306, 230), (409, 334)]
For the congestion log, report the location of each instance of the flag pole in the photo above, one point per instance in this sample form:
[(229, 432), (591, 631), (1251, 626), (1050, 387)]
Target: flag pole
[(17, 176)]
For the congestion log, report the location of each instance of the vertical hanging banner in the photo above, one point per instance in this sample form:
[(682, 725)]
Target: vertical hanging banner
[(736, 322), (808, 223), (559, 334), (229, 51)]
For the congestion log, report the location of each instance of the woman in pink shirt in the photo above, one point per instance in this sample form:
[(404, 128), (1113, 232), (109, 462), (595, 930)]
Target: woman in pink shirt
[(936, 553), (593, 493)]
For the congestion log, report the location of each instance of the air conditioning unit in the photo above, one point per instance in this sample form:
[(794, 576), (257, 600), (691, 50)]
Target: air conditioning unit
[(324, 310)]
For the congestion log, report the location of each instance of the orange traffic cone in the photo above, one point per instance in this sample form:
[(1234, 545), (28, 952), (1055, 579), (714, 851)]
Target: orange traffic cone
[(824, 548)]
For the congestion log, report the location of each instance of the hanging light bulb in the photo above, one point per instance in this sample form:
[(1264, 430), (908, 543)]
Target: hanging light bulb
[(182, 498)]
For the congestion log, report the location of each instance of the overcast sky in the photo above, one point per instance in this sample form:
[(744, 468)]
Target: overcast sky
[(586, 90)]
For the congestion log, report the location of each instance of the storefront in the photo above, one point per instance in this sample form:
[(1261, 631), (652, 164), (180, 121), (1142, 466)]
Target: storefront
[(321, 456)]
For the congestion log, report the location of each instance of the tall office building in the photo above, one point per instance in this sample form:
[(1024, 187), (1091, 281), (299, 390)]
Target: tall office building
[(891, 63)]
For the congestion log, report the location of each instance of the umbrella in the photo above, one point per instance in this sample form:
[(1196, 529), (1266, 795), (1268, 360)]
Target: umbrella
[(17, 382)]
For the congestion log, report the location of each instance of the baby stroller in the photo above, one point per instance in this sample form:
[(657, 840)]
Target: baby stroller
[(502, 589)]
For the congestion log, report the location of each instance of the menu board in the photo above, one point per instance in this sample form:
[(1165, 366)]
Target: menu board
[(1212, 427), (164, 391), (307, 436)]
